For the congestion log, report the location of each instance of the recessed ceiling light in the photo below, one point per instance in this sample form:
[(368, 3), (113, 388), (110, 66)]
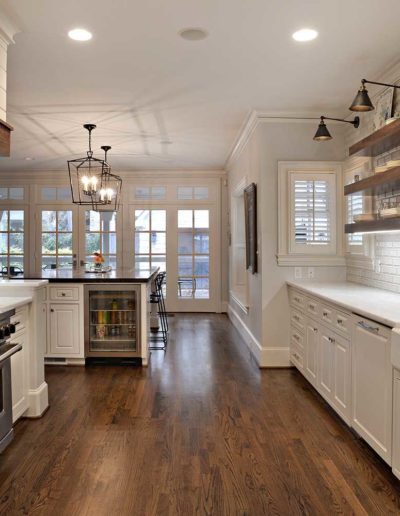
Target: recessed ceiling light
[(193, 34), (80, 34), (305, 35)]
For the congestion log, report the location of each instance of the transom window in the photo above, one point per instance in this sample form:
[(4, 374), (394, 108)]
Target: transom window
[(12, 193), (192, 193), (193, 254), (150, 239), (57, 239), (101, 236), (12, 239)]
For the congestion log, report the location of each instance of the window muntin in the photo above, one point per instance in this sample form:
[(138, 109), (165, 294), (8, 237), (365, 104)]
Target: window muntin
[(12, 238), (312, 217), (193, 254), (150, 239), (101, 236), (56, 239)]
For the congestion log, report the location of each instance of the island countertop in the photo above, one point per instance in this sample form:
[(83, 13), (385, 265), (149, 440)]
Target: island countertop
[(82, 275)]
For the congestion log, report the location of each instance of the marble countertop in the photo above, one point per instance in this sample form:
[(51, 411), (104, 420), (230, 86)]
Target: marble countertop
[(10, 303), (26, 283), (374, 303)]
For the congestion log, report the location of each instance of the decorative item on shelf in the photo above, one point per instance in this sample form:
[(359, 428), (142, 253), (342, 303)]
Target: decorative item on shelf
[(364, 217), (323, 134), (91, 181), (356, 177), (363, 103)]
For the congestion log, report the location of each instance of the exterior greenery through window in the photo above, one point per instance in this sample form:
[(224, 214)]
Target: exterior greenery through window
[(101, 236), (56, 238), (12, 238)]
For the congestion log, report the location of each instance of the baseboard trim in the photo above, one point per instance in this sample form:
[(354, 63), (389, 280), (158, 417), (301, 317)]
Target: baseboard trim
[(265, 357), (38, 401)]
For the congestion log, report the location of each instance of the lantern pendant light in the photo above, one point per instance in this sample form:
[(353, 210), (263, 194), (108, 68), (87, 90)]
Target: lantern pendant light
[(109, 198)]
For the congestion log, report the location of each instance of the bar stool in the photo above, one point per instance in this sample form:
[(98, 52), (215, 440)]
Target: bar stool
[(157, 297)]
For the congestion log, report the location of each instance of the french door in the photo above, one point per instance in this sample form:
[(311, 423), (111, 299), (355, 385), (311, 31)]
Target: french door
[(184, 243)]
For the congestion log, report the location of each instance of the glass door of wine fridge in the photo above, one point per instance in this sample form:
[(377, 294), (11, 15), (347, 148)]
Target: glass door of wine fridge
[(112, 315)]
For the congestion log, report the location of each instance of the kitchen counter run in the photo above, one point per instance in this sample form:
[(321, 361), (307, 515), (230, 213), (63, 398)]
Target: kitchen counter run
[(374, 303), (80, 275)]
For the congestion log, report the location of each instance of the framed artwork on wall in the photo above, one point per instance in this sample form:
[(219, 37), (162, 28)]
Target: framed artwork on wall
[(383, 109), (250, 214)]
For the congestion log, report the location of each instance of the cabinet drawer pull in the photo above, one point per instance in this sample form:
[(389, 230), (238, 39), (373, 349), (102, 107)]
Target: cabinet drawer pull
[(315, 330), (63, 294), (367, 327), (296, 337), (296, 356), (331, 339), (312, 307), (325, 314), (296, 318), (340, 321), (51, 309), (297, 299)]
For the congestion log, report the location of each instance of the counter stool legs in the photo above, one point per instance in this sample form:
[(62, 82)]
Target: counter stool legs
[(158, 297)]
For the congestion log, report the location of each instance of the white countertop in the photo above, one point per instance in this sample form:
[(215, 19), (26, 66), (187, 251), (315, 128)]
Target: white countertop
[(9, 303), (377, 304), (22, 283)]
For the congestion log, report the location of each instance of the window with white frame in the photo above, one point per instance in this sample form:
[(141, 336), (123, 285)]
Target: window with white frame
[(310, 219), (56, 236), (12, 239)]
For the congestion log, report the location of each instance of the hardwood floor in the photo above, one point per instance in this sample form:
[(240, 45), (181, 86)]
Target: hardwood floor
[(201, 431)]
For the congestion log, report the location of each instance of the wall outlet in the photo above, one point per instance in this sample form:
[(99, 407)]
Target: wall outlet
[(310, 273), (298, 273)]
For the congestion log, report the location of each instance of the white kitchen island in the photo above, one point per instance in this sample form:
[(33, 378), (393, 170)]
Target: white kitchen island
[(29, 388)]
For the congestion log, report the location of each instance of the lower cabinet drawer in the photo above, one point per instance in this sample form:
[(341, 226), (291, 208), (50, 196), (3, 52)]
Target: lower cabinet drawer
[(296, 338), (296, 356), (64, 294), (20, 318), (342, 322), (298, 319)]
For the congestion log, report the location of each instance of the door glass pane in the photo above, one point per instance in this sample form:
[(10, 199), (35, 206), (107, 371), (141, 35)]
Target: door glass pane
[(201, 266), (4, 220), (142, 262), (92, 244), (185, 265), (3, 243), (65, 221), (142, 244), (142, 220), (185, 243), (64, 261), (201, 243), (16, 220), (201, 219), (101, 236), (92, 220), (159, 261), (109, 243), (202, 288), (158, 243), (185, 218), (158, 220), (48, 220), (49, 243), (16, 243), (65, 243)]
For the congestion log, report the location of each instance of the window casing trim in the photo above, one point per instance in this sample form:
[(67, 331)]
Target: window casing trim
[(288, 255)]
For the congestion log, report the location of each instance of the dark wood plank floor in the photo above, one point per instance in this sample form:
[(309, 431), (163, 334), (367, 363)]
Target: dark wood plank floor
[(201, 431)]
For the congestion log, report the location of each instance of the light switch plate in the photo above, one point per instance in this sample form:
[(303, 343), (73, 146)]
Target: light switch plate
[(310, 272)]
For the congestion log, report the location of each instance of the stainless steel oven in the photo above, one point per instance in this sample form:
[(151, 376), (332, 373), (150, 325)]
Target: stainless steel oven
[(6, 352)]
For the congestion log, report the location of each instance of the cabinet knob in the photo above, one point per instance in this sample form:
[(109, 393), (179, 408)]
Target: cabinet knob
[(315, 329), (325, 314), (63, 294), (340, 321), (51, 309)]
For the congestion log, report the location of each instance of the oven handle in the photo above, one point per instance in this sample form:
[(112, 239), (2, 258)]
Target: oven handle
[(7, 354)]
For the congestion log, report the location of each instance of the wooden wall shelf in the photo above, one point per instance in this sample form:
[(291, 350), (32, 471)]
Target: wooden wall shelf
[(5, 137), (373, 226), (377, 184), (380, 141)]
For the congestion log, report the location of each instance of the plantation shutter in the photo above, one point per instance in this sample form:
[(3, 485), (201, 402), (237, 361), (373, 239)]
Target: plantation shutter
[(312, 214)]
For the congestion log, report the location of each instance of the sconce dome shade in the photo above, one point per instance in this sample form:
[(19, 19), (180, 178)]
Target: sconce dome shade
[(362, 102), (322, 133)]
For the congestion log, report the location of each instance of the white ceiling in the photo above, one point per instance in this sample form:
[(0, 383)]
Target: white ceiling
[(143, 85)]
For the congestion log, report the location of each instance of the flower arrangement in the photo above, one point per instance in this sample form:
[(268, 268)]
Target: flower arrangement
[(98, 259)]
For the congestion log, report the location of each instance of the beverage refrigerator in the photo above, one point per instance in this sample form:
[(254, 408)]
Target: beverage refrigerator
[(112, 319)]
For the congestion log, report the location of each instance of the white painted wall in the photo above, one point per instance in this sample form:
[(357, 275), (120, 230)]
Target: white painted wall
[(268, 317)]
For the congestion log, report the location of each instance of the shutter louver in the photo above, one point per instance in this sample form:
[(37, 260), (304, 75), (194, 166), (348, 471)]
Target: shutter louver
[(354, 207), (312, 218)]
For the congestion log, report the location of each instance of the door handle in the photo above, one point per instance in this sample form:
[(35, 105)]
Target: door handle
[(368, 327)]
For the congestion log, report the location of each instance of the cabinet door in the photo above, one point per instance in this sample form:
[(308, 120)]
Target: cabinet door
[(372, 386), (19, 380), (64, 329), (326, 352), (396, 424), (341, 395), (311, 357)]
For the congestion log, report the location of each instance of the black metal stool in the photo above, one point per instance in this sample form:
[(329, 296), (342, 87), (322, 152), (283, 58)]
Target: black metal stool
[(157, 297)]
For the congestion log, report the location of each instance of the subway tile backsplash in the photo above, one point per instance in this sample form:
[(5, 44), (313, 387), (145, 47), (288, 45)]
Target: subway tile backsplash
[(387, 265)]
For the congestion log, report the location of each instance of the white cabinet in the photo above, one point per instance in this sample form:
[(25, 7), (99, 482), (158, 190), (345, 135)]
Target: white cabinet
[(396, 423), (311, 352), (20, 365), (326, 354), (372, 385), (64, 327), (341, 396)]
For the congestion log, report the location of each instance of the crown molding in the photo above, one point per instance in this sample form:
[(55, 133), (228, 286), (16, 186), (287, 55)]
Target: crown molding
[(8, 28), (257, 117)]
